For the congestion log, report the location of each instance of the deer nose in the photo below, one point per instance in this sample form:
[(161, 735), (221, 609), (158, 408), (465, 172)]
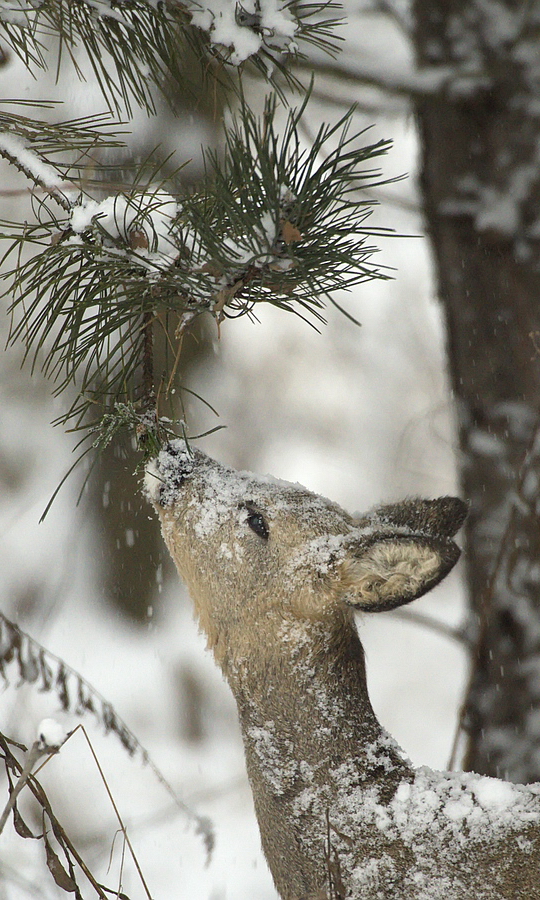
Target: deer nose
[(176, 462), (166, 474)]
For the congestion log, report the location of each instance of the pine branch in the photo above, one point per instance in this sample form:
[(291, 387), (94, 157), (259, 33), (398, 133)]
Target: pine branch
[(274, 222), (133, 46), (14, 150), (31, 145)]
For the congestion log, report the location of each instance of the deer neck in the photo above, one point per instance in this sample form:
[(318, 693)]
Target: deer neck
[(312, 741), (303, 699)]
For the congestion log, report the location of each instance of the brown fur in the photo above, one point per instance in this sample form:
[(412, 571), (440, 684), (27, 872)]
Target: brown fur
[(274, 573)]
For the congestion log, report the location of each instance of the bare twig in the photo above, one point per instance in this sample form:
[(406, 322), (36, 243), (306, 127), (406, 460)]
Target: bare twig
[(117, 813), (408, 615), (148, 358), (422, 83), (41, 797), (401, 18), (35, 752)]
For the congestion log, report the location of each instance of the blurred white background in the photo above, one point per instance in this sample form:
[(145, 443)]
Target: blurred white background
[(361, 415)]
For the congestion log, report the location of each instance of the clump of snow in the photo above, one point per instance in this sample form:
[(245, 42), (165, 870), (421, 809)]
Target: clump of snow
[(167, 472), (243, 28), (50, 734), (145, 223), (246, 248), (442, 806), (492, 794)]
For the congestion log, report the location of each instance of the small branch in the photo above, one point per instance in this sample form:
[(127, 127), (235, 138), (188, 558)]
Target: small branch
[(117, 813), (386, 106), (401, 19), (63, 838), (42, 175), (36, 751), (186, 320), (37, 790), (416, 618), (426, 82), (148, 357)]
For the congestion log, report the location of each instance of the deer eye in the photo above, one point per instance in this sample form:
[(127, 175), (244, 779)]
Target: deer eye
[(257, 523)]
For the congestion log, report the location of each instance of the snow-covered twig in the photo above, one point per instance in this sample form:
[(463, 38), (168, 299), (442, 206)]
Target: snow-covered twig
[(43, 175)]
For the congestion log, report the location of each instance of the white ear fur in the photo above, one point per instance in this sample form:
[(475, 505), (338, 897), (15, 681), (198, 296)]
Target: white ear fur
[(393, 571)]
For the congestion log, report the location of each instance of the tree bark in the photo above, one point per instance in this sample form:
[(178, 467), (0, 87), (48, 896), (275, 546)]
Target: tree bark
[(481, 185)]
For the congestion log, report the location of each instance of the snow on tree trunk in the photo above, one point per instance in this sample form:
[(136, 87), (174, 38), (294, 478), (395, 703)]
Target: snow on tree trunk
[(481, 185)]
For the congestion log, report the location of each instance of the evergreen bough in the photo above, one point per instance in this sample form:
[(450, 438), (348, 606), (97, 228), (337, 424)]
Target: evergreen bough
[(94, 280)]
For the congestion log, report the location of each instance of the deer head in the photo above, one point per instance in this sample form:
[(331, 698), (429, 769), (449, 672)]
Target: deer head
[(255, 551)]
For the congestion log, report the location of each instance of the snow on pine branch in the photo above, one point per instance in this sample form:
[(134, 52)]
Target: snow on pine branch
[(142, 222), (14, 148), (273, 221), (41, 149), (242, 29), (136, 45)]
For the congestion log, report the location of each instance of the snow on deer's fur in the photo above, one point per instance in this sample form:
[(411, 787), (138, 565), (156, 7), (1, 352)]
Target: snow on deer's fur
[(275, 573)]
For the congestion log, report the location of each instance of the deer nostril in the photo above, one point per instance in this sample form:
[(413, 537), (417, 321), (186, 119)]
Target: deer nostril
[(257, 524), (166, 474), (176, 462)]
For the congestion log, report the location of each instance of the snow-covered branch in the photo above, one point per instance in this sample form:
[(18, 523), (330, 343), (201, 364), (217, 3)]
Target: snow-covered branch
[(135, 46), (44, 175)]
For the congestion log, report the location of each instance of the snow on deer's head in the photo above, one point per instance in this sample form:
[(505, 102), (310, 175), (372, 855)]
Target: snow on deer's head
[(255, 551)]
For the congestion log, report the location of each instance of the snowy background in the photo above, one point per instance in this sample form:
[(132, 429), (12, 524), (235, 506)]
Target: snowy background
[(361, 415)]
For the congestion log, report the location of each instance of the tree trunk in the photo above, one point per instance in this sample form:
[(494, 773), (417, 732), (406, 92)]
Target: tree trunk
[(481, 186)]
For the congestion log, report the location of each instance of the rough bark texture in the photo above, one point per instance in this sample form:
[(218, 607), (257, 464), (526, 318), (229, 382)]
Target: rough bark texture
[(481, 185)]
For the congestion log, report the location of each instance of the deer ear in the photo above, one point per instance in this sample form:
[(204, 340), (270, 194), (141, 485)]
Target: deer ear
[(393, 570), (440, 518)]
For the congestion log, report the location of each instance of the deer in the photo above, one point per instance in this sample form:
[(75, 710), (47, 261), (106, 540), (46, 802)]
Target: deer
[(276, 573)]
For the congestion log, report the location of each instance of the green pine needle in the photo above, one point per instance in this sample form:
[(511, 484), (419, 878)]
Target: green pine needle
[(91, 286), (132, 46)]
